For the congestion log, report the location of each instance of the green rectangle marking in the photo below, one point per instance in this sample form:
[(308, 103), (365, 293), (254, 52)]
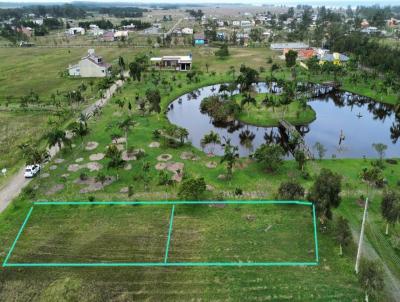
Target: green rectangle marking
[(170, 229)]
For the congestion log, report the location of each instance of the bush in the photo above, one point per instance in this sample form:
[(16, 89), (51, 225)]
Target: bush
[(391, 161), (290, 190), (192, 189), (83, 176), (91, 198)]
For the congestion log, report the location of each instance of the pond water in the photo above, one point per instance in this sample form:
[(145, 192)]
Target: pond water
[(360, 120)]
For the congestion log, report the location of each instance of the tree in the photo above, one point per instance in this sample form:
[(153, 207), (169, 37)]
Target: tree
[(325, 193), (116, 161), (126, 125), (121, 64), (192, 189), (79, 129), (370, 277), (320, 149), (182, 134), (230, 157), (154, 98), (290, 58), (210, 138), (223, 51), (390, 208), (248, 76), (290, 190), (342, 233), (270, 155), (372, 176), (32, 155), (301, 159), (101, 177), (274, 68), (380, 148), (57, 137)]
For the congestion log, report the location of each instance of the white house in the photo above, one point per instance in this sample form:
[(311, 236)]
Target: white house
[(179, 63), (236, 23), (121, 34), (90, 66), (245, 23), (187, 31), (75, 31)]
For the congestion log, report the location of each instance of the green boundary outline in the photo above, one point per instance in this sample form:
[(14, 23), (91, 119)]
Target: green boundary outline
[(165, 263)]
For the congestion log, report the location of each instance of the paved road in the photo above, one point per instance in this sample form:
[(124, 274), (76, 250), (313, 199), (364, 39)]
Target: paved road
[(17, 182)]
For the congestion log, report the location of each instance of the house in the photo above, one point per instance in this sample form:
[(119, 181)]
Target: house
[(336, 58), (129, 27), (199, 39), (26, 31), (290, 45), (179, 63), (236, 23), (303, 53), (364, 23), (108, 36), (75, 31), (38, 22), (392, 22), (90, 66), (187, 31), (121, 34), (95, 30), (245, 23), (370, 30)]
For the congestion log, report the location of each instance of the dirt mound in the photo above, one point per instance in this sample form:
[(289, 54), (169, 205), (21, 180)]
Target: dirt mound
[(96, 156), (154, 145), (55, 189), (164, 157), (92, 185), (93, 166)]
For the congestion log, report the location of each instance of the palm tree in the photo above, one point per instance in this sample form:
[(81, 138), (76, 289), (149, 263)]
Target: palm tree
[(210, 138), (57, 137), (182, 134), (248, 99), (116, 161), (230, 156), (80, 129), (126, 125)]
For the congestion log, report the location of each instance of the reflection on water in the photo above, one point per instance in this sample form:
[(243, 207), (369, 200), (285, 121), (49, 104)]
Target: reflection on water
[(356, 121)]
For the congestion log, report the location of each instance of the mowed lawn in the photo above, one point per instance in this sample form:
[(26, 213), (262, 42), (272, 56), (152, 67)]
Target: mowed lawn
[(137, 233)]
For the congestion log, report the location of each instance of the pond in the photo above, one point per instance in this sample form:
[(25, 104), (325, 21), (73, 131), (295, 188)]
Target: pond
[(359, 120)]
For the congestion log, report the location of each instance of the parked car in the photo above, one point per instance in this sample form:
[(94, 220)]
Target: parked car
[(31, 171)]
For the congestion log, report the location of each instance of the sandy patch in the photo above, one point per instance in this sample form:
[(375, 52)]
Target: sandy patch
[(128, 167), (73, 167), (175, 167), (154, 145), (59, 160), (55, 189), (164, 157), (211, 164), (120, 140), (96, 156), (44, 175), (124, 190), (128, 156), (65, 175), (78, 160), (53, 167), (120, 147), (93, 166), (92, 185), (91, 146), (189, 156), (161, 166)]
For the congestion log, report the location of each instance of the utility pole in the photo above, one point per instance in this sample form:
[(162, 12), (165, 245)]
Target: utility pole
[(361, 237)]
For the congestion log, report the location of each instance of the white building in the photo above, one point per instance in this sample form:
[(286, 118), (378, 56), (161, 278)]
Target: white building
[(236, 23), (90, 66), (75, 31), (187, 31), (179, 63), (245, 23), (121, 34)]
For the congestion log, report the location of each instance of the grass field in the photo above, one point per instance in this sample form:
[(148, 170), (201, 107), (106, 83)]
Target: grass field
[(332, 280), (198, 233)]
